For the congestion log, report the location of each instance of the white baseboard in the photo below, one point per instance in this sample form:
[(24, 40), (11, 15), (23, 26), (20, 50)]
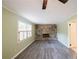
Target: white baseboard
[(21, 50)]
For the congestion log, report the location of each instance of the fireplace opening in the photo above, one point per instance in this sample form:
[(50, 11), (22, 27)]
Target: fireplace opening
[(45, 35)]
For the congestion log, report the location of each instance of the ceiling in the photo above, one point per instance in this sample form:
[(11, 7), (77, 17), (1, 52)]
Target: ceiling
[(55, 12)]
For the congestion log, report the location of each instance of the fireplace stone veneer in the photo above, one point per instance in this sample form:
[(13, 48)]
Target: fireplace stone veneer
[(46, 31)]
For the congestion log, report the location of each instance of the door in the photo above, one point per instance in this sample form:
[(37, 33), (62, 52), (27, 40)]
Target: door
[(73, 35)]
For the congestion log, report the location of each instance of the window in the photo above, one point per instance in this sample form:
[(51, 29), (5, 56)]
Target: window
[(24, 30)]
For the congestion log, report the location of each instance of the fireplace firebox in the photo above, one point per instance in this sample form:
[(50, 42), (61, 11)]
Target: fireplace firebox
[(45, 35)]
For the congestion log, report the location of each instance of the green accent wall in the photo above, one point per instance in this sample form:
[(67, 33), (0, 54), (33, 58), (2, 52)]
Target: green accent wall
[(10, 45), (62, 31)]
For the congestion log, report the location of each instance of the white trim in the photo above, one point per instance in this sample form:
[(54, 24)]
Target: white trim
[(68, 35), (21, 50)]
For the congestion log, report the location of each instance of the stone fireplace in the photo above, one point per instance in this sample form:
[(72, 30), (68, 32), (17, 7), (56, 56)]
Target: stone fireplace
[(46, 31)]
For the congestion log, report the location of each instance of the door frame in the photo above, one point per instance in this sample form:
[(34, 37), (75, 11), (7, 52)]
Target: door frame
[(69, 24)]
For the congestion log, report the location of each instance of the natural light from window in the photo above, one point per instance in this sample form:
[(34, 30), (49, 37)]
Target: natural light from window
[(24, 30)]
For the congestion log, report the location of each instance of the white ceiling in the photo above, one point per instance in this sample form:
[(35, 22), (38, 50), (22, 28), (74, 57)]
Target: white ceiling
[(55, 12)]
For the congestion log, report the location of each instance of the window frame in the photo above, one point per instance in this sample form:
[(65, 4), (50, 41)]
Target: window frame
[(19, 38)]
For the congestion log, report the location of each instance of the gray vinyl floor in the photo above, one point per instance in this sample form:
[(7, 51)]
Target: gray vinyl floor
[(47, 50)]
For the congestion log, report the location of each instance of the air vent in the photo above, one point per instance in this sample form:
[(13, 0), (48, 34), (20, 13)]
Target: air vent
[(63, 1)]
